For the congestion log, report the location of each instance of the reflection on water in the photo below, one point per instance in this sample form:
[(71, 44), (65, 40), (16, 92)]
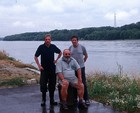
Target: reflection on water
[(104, 56), (57, 109)]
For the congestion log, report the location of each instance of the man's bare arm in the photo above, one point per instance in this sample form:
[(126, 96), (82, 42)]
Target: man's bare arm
[(85, 57), (59, 55), (38, 64)]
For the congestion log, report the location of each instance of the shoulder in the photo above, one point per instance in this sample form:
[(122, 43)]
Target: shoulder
[(70, 46), (53, 45), (41, 46), (81, 46), (73, 59), (59, 63), (59, 60)]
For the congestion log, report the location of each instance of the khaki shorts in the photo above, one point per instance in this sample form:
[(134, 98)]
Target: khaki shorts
[(72, 82)]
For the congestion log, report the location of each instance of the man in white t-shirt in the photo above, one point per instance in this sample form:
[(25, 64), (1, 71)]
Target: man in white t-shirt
[(79, 53)]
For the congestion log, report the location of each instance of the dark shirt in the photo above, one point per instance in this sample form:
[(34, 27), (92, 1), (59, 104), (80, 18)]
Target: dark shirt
[(47, 55)]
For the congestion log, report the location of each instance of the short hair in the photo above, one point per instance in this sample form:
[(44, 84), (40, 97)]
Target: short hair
[(65, 50), (48, 35), (74, 36)]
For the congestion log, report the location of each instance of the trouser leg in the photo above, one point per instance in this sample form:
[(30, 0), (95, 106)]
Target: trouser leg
[(44, 96), (52, 84), (43, 84), (86, 97)]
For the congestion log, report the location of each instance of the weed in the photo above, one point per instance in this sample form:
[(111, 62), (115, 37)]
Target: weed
[(121, 92), (17, 81)]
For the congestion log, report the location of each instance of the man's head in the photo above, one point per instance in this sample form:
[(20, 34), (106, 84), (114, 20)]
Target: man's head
[(47, 39), (74, 40), (66, 53)]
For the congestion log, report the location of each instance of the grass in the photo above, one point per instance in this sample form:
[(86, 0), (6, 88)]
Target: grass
[(5, 56), (18, 81), (120, 92)]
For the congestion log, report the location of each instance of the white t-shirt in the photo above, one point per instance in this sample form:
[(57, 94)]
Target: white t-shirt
[(67, 69), (78, 54)]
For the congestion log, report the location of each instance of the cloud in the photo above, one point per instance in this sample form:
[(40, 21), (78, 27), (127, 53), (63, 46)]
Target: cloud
[(48, 6), (40, 15), (122, 15), (14, 9), (23, 24)]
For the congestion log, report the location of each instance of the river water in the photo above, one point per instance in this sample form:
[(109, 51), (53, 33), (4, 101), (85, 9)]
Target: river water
[(104, 56)]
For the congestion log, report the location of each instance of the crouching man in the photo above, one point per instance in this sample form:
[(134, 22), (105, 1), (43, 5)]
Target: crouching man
[(65, 70)]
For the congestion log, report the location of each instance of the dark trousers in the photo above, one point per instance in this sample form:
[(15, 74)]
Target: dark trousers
[(86, 97), (48, 82)]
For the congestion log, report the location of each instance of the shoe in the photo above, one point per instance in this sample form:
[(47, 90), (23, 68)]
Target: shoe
[(64, 106), (87, 102), (82, 105), (43, 103), (53, 103)]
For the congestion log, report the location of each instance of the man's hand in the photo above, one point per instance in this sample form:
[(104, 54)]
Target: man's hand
[(79, 80), (55, 61), (64, 81), (40, 67)]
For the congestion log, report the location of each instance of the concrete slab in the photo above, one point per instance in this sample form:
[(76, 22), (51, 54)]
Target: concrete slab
[(27, 99)]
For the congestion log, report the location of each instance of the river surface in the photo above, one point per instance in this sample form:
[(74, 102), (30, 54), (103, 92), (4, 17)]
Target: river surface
[(104, 56)]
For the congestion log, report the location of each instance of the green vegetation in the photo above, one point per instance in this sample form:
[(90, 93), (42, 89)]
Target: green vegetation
[(17, 81), (120, 92), (131, 31), (5, 56)]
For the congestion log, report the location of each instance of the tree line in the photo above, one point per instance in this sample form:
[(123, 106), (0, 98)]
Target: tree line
[(130, 31)]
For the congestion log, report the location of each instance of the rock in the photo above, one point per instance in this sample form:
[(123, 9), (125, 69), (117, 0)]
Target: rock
[(32, 81)]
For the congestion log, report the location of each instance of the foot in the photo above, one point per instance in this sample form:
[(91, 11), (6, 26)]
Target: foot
[(64, 106), (43, 103), (87, 102), (82, 105), (53, 103)]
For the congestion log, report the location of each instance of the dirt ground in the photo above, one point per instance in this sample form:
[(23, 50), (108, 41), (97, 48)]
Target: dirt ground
[(8, 71)]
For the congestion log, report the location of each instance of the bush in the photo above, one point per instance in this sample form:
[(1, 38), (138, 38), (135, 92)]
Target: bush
[(121, 92)]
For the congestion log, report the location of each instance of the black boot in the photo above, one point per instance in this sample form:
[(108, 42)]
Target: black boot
[(64, 105), (43, 103), (82, 105), (53, 103)]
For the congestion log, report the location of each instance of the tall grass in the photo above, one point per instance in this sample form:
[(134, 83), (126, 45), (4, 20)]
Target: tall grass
[(17, 81), (121, 92), (5, 56), (16, 63)]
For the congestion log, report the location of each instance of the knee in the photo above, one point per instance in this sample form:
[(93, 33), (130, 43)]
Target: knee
[(81, 86), (65, 84)]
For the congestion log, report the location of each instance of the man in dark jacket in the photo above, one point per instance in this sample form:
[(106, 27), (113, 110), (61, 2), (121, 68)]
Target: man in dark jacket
[(47, 68)]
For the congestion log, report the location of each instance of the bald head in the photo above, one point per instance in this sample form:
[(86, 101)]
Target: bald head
[(66, 53)]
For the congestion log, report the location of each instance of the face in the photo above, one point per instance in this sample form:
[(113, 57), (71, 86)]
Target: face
[(74, 41), (66, 54), (47, 40)]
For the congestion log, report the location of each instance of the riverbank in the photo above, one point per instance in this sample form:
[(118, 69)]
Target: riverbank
[(14, 73)]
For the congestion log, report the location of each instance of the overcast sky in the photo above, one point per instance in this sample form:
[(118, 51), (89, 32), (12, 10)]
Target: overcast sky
[(20, 16)]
